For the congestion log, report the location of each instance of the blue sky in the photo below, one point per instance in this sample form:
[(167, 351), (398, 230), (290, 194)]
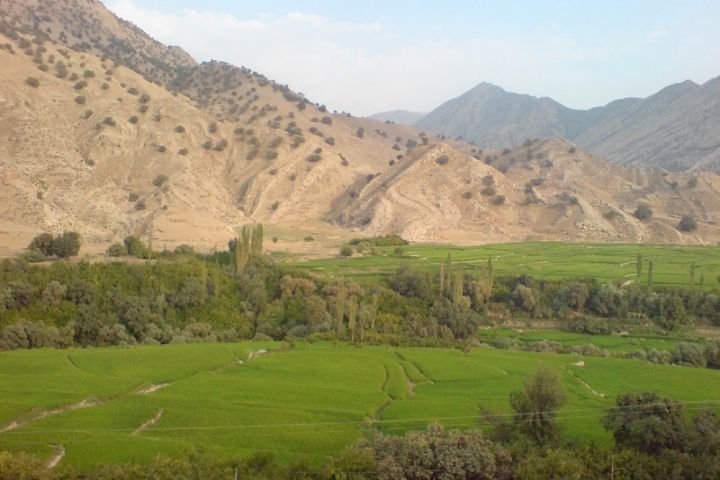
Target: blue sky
[(368, 56)]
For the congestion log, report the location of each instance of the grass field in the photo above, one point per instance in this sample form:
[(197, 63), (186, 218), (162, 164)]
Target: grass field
[(605, 262), (306, 402)]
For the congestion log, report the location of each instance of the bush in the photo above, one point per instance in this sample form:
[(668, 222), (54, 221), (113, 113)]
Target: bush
[(488, 180), (80, 100), (442, 160), (692, 182), (314, 158), (133, 120), (330, 141), (117, 250), (346, 251), (109, 121), (467, 195), (33, 82), (132, 197), (687, 224), (160, 180), (140, 205), (326, 120), (212, 128), (41, 243), (643, 212), (180, 129), (183, 151), (488, 191), (80, 85), (65, 245)]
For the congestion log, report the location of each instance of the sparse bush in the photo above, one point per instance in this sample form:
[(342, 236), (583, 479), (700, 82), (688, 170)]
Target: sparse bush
[(133, 119), (346, 251), (140, 205), (687, 224), (117, 250), (314, 158), (80, 100), (213, 128), (643, 212), (109, 121), (133, 197), (88, 74), (179, 129), (330, 141), (80, 85), (160, 180), (33, 82), (161, 148), (65, 245), (326, 120), (183, 151), (572, 150), (360, 133), (442, 160), (467, 195), (207, 145), (488, 191), (133, 91), (499, 200), (692, 182), (488, 180)]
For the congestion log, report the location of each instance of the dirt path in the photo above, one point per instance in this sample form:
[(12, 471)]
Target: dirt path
[(149, 422), (17, 423), (151, 388), (57, 456), (257, 353), (595, 392)]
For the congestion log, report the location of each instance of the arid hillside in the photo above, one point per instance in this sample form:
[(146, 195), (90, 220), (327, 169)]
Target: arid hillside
[(105, 131)]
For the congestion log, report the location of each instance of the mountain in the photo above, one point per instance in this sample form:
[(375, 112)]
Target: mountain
[(105, 131), (402, 117), (677, 128)]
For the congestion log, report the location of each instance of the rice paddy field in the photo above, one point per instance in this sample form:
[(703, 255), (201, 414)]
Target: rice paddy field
[(92, 406), (605, 262)]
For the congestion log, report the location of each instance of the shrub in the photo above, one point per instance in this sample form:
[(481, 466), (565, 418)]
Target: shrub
[(80, 100), (330, 141), (442, 160), (117, 250), (140, 205), (488, 180), (183, 151), (109, 121), (161, 148), (346, 251), (133, 91), (160, 180), (314, 158), (207, 145), (41, 243), (144, 98), (643, 212), (88, 74), (488, 191), (687, 224), (133, 197), (33, 82), (65, 245), (572, 150), (326, 120), (467, 195), (212, 128), (499, 200), (133, 119), (220, 146), (80, 85), (180, 129), (360, 133), (692, 182)]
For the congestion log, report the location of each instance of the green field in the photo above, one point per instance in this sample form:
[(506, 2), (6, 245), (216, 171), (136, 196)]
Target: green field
[(604, 262), (308, 401)]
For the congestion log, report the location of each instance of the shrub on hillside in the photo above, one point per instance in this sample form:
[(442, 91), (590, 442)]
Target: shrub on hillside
[(687, 224), (488, 191), (160, 180), (442, 160), (643, 212), (32, 81)]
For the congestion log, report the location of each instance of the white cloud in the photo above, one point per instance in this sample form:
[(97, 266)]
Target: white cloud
[(365, 67)]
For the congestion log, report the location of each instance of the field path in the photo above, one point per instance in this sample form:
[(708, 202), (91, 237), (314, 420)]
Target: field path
[(587, 385), (57, 456), (20, 422), (388, 400), (149, 422)]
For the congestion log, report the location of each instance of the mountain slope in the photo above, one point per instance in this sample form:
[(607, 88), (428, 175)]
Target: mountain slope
[(677, 128), (403, 117)]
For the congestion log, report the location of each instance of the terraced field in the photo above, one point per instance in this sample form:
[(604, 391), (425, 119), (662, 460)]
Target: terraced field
[(84, 407), (605, 262)]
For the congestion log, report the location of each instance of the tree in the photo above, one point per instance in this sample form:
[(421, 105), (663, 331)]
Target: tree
[(643, 212), (646, 421), (638, 268), (65, 245), (687, 224), (536, 404), (41, 243)]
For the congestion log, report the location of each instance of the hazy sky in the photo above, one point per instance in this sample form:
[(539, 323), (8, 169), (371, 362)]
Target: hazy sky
[(367, 56)]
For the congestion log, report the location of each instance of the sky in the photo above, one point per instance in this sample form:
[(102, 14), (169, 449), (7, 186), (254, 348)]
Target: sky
[(369, 56)]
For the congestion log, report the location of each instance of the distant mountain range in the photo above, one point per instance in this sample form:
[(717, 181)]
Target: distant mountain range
[(401, 117), (678, 128)]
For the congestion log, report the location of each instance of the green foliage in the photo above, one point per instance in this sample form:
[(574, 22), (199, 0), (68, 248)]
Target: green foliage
[(643, 212), (160, 180), (537, 404), (117, 250), (346, 251), (32, 81), (687, 224)]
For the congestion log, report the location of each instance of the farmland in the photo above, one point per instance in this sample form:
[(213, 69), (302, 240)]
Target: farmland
[(604, 262), (302, 402)]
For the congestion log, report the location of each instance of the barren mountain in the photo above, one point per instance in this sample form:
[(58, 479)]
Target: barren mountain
[(677, 128), (112, 141)]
